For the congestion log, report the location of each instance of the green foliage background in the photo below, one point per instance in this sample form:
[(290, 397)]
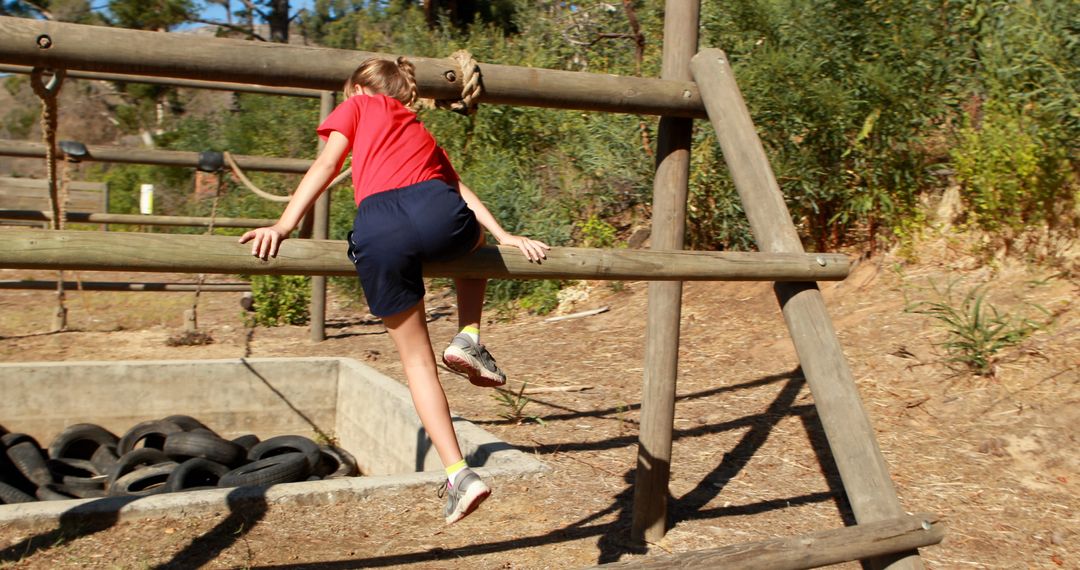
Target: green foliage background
[(865, 108)]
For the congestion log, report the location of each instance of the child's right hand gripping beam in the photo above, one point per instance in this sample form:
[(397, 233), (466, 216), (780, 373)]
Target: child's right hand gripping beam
[(265, 241)]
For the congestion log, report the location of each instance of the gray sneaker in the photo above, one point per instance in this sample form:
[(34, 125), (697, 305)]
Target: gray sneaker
[(463, 498), (473, 361)]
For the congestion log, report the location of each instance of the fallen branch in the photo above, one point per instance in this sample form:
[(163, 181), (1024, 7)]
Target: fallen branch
[(557, 389), (588, 313)]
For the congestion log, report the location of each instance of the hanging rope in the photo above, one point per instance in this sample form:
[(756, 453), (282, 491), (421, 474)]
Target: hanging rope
[(239, 174), (472, 85), (47, 92), (193, 322)]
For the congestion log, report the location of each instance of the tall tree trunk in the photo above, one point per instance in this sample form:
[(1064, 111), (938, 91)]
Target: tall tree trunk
[(279, 21)]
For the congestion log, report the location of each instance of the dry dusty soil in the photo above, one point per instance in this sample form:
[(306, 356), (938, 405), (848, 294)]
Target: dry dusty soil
[(995, 456)]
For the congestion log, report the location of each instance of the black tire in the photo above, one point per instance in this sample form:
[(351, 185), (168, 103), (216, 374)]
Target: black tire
[(51, 492), (128, 462), (10, 439), (83, 491), (287, 444), (187, 423), (80, 441), (29, 459), (66, 467), (10, 474), (285, 468), (195, 473), (335, 462), (104, 458), (10, 495), (77, 477), (151, 433), (204, 444), (247, 441), (143, 482)]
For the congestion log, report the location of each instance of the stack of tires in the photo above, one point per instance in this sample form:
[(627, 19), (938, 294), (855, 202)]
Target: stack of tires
[(177, 453)]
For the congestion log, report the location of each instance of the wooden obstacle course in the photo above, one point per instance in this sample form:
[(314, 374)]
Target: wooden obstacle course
[(851, 438)]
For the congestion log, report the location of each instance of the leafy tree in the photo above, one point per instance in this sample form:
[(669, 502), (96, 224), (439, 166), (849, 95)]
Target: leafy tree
[(159, 15), (78, 11)]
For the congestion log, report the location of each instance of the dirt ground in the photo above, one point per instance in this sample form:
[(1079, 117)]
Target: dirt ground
[(996, 457)]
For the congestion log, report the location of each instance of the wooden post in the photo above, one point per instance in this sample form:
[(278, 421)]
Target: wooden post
[(191, 322), (851, 438), (321, 213), (665, 298)]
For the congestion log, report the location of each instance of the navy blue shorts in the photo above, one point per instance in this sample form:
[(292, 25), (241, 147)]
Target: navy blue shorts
[(396, 231)]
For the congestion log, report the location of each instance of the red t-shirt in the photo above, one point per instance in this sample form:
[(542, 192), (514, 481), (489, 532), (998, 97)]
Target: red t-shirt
[(391, 148)]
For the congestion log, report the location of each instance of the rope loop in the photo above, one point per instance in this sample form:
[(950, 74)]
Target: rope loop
[(47, 92), (239, 174), (472, 85)]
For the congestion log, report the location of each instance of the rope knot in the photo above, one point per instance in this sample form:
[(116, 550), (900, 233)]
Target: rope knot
[(472, 86)]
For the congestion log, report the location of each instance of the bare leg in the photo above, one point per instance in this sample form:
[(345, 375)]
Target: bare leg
[(409, 331), (470, 298)]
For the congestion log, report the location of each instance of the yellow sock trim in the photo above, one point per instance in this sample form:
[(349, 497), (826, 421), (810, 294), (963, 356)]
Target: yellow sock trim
[(471, 329), (453, 469)]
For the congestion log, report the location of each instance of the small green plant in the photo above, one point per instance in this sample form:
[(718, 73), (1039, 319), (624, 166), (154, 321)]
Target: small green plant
[(977, 330), (281, 299), (595, 232), (514, 405)]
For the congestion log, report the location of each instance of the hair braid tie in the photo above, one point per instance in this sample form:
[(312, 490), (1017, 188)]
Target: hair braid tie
[(472, 86)]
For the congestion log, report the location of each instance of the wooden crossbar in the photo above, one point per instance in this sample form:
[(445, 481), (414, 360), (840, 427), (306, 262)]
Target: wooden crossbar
[(51, 249), (137, 219), (859, 542), (35, 285), (118, 154), (97, 48)]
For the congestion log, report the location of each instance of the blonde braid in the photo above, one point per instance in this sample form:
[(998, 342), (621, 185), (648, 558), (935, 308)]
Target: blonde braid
[(408, 73)]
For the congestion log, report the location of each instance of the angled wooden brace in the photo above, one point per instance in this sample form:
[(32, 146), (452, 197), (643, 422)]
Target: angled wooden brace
[(862, 468)]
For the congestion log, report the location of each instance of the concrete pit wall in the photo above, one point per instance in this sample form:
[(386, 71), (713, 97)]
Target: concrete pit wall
[(370, 414)]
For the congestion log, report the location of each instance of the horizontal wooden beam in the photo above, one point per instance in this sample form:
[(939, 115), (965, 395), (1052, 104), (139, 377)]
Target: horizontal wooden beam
[(138, 219), (103, 153), (125, 286), (859, 542), (60, 45), (174, 82), (174, 253)]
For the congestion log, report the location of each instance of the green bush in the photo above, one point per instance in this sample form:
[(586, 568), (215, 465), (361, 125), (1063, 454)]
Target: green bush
[(997, 165), (281, 299)]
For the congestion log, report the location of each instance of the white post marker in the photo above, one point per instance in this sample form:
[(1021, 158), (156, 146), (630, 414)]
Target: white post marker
[(146, 199)]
